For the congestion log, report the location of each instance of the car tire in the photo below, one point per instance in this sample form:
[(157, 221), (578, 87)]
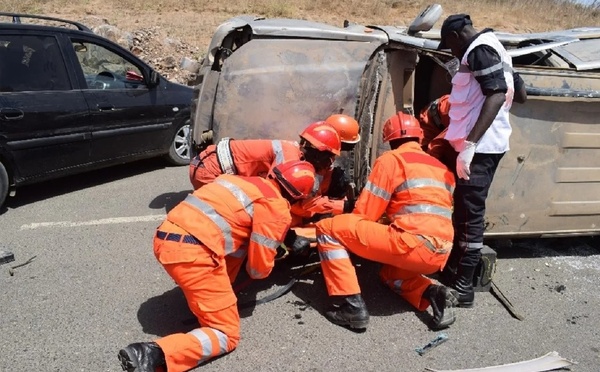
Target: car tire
[(3, 184), (179, 149)]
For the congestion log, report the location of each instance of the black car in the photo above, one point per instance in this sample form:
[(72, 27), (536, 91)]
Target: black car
[(72, 101)]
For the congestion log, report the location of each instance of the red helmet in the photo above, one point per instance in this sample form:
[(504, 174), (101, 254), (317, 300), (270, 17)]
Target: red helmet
[(297, 177), (402, 125), (323, 137), (346, 126)]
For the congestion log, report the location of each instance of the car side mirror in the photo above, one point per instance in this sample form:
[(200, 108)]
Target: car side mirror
[(426, 19), (154, 79)]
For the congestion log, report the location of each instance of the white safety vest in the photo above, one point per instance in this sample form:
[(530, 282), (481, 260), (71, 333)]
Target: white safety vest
[(466, 101)]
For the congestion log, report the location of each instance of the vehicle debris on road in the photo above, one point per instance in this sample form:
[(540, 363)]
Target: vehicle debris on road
[(548, 362)]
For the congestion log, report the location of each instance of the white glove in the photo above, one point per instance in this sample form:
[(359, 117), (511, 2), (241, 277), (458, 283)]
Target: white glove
[(463, 161)]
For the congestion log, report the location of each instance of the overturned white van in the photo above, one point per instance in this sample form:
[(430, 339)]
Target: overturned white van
[(269, 78)]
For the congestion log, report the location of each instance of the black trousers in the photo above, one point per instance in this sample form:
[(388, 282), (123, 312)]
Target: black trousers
[(469, 201)]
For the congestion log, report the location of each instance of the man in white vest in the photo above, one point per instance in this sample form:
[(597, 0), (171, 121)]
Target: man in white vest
[(483, 89)]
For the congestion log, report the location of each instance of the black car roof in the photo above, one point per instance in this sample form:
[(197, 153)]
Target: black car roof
[(16, 21)]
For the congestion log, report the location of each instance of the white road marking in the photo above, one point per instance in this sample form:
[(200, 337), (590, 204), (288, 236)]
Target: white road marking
[(103, 221)]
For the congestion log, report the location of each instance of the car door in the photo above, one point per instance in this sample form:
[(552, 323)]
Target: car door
[(128, 116), (44, 127)]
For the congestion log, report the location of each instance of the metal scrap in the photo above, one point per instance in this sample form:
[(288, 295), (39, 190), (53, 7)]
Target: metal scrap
[(547, 362), (11, 270), (439, 339)]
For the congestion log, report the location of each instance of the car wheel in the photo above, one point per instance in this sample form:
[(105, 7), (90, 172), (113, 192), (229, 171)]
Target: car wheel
[(179, 150), (3, 184)]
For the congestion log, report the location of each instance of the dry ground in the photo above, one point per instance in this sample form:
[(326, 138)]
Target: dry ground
[(192, 22)]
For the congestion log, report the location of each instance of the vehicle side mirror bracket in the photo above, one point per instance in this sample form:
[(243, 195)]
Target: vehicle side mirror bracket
[(154, 79)]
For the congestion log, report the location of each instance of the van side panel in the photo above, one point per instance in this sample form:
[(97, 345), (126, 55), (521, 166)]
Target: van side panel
[(549, 181)]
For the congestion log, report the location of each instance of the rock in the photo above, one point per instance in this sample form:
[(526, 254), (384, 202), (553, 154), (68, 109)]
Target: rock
[(189, 64)]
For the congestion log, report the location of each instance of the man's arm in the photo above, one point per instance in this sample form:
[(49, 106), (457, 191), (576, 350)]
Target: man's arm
[(270, 223), (485, 64), (520, 92), (375, 196)]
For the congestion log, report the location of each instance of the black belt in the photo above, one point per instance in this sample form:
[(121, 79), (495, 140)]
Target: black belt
[(180, 238)]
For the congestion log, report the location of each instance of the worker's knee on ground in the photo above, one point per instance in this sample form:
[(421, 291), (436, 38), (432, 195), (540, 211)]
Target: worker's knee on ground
[(226, 320)]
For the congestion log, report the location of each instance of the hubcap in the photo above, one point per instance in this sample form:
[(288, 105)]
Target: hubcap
[(181, 142)]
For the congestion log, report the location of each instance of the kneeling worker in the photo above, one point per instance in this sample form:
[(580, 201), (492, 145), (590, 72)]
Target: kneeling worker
[(229, 217), (415, 191)]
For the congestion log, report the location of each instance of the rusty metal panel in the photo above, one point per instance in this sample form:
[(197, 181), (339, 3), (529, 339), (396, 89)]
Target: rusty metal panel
[(583, 174), (273, 88), (548, 183), (581, 140)]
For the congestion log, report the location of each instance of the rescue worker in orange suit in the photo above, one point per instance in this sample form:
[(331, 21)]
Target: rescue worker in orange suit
[(434, 121), (414, 190), (331, 199), (322, 140), (231, 216), (252, 157)]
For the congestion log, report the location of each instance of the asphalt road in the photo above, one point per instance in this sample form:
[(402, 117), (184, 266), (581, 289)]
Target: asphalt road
[(95, 286)]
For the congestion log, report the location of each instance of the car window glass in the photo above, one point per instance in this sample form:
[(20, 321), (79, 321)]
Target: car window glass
[(105, 69), (31, 63)]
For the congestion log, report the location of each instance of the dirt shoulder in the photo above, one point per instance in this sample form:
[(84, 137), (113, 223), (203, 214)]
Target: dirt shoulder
[(163, 33)]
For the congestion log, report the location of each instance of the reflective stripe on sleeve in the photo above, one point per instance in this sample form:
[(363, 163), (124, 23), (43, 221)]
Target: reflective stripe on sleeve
[(225, 156), (210, 212), (498, 66), (377, 191), (278, 151), (326, 239), (423, 182), (263, 240)]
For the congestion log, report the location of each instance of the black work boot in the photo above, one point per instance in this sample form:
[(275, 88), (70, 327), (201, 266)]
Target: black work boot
[(442, 300), (463, 282), (448, 274), (142, 357), (352, 313)]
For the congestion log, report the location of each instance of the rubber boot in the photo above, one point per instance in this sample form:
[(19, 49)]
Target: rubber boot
[(352, 313), (463, 282), (442, 302), (142, 357)]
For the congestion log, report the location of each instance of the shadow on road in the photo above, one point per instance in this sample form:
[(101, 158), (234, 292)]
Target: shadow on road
[(49, 189), (165, 314), (546, 247), (168, 200), (168, 313)]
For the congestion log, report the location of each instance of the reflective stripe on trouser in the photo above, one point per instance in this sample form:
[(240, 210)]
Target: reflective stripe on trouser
[(406, 256), (203, 278)]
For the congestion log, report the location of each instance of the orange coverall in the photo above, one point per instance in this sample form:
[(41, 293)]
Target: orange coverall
[(415, 191), (319, 204), (434, 121), (219, 223), (240, 157)]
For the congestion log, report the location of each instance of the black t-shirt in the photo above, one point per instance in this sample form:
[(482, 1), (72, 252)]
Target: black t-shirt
[(485, 63)]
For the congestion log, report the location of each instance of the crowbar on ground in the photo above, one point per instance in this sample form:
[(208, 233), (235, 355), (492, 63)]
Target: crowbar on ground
[(496, 292), (11, 270)]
